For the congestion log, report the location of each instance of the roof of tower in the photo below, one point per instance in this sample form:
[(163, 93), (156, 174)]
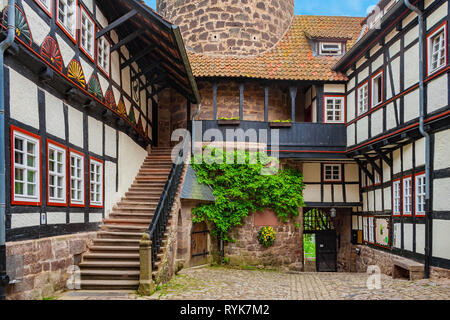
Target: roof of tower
[(292, 58)]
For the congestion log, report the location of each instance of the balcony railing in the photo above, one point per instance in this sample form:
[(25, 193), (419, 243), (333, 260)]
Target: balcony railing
[(295, 139)]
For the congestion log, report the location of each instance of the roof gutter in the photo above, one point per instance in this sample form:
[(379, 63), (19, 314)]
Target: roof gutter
[(4, 45), (428, 216), (372, 32)]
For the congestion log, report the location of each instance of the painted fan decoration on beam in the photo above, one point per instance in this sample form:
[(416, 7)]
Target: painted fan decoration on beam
[(51, 52), (75, 72), (22, 28), (140, 127), (121, 108), (110, 100), (131, 116), (94, 88)]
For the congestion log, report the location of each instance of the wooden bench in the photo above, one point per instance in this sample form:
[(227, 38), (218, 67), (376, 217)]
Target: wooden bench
[(413, 268)]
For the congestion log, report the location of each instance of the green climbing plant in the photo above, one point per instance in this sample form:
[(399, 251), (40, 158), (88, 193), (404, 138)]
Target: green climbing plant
[(241, 189)]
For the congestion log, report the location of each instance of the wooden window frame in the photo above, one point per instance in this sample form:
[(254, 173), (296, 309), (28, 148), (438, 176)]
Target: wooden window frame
[(57, 147), (339, 165), (92, 56), (400, 191), (418, 176), (322, 53), (105, 72), (63, 27), (93, 204), (364, 84), (429, 52), (48, 11), (21, 199), (343, 108), (406, 213), (372, 81), (80, 204)]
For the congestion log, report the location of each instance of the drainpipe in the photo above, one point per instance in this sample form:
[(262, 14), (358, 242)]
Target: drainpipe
[(429, 217), (5, 44), (193, 126)]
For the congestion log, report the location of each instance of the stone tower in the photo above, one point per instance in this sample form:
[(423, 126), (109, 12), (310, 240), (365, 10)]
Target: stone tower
[(229, 27)]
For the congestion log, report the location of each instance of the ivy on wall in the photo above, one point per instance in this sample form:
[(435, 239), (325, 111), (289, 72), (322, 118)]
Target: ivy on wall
[(241, 189)]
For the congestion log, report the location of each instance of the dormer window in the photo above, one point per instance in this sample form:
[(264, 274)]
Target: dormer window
[(330, 49)]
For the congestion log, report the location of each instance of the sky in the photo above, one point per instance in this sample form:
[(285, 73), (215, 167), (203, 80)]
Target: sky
[(358, 8)]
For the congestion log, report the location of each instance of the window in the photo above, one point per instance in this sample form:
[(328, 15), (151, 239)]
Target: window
[(365, 229), (67, 17), (76, 179), (56, 173), (377, 89), (334, 109), (407, 196), (26, 167), (420, 194), (332, 172), (437, 49), (363, 99), (371, 230), (96, 183), (330, 49), (87, 34), (377, 178), (103, 55), (397, 198), (46, 5)]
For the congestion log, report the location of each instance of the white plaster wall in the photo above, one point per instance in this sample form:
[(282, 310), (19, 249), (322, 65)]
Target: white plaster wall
[(441, 150), (131, 157), (311, 172), (312, 193), (351, 135), (439, 97), (411, 35), (378, 62), (365, 204), (56, 218), (338, 193), (441, 192), (386, 172), (75, 126), (336, 88), (76, 217), (351, 83), (363, 75), (412, 105), (89, 4), (54, 116), (420, 152), (377, 122), (397, 161), (420, 238), (104, 83), (441, 239), (397, 236), (390, 110), (327, 193), (407, 157), (24, 220), (95, 217), (370, 201), (437, 15), (390, 36), (66, 50), (95, 129), (39, 28), (409, 18), (362, 129), (100, 17), (351, 173), (24, 100), (110, 142), (408, 236), (111, 197), (351, 109), (412, 66), (126, 81), (387, 198), (115, 66), (395, 65), (352, 192), (87, 68), (360, 63), (378, 200), (374, 49)]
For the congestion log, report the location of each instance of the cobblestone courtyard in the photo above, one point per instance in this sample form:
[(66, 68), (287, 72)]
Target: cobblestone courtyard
[(228, 284)]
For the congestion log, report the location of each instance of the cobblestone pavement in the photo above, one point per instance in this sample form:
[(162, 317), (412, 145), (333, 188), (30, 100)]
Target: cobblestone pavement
[(230, 284)]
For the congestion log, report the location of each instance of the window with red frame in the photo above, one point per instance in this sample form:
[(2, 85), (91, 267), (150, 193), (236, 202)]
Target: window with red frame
[(407, 196), (56, 174), (46, 5), (25, 167), (371, 224), (437, 49), (66, 17), (377, 89), (334, 109), (87, 34), (420, 194), (103, 54), (76, 179), (332, 172), (363, 99), (397, 197), (96, 183)]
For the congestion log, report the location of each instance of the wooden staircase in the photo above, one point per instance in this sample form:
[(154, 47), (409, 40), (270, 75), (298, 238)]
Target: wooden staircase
[(112, 263)]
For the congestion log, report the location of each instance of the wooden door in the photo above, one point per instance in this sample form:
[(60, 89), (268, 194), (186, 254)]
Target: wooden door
[(199, 244), (326, 251)]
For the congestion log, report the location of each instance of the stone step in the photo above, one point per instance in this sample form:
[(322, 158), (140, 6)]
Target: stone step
[(147, 191), (101, 274), (135, 208), (120, 235), (118, 243), (109, 284), (111, 256), (124, 228), (142, 197), (110, 265), (131, 215), (126, 221), (97, 248), (146, 201)]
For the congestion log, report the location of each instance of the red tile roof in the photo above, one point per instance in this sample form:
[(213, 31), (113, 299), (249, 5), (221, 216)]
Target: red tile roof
[(291, 58)]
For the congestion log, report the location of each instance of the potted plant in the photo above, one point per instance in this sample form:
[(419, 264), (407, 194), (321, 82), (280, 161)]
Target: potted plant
[(229, 121), (281, 124)]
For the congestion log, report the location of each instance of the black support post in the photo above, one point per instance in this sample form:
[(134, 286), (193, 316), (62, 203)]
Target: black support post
[(241, 101), (293, 92), (266, 104)]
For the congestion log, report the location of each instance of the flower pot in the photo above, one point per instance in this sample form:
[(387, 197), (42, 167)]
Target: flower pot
[(281, 124)]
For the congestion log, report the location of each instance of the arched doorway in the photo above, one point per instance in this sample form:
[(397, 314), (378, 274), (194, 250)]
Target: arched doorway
[(319, 242)]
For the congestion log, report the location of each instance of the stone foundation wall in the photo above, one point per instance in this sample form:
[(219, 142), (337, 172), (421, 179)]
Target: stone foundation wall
[(229, 27), (384, 260), (45, 264), (286, 253)]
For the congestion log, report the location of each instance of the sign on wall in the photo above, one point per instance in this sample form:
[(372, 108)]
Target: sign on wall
[(382, 234)]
